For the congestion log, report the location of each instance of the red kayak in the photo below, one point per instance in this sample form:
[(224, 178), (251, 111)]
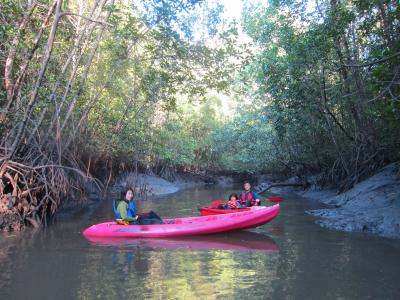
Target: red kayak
[(214, 210), (254, 217), (208, 211)]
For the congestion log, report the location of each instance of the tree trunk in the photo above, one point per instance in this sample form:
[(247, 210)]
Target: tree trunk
[(86, 71), (8, 70), (28, 58), (34, 94)]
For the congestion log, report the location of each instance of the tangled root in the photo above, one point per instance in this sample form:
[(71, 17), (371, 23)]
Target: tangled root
[(10, 219), (31, 194)]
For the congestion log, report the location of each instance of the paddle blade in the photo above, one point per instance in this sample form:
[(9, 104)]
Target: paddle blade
[(217, 203)]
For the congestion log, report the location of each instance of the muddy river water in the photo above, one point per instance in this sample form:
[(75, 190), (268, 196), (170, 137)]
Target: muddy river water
[(289, 258)]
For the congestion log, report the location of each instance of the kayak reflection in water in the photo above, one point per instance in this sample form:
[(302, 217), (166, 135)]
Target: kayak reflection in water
[(126, 212), (233, 241)]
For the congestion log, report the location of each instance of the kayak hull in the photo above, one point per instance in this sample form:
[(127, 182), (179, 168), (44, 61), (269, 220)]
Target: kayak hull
[(191, 226)]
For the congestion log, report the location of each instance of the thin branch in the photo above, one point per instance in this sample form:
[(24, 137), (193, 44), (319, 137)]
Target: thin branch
[(372, 63), (86, 18)]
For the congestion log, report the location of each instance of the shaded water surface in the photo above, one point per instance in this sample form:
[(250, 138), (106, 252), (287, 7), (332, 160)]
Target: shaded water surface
[(290, 258)]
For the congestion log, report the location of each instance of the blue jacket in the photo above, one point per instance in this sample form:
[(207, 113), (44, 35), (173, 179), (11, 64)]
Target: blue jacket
[(131, 212)]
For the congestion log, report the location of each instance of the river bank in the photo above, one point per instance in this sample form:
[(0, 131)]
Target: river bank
[(155, 186), (371, 206), (147, 185)]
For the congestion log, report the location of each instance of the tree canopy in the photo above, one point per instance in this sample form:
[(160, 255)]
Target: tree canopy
[(102, 85)]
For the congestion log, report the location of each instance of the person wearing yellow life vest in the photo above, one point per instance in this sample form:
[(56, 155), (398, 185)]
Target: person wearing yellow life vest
[(248, 198)]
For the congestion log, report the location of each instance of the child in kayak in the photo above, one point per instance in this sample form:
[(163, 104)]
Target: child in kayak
[(234, 202), (126, 212)]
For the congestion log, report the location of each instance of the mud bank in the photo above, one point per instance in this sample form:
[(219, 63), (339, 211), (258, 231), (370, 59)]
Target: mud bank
[(372, 206), (154, 185)]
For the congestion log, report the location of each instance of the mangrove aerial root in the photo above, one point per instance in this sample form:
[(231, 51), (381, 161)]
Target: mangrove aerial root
[(31, 194)]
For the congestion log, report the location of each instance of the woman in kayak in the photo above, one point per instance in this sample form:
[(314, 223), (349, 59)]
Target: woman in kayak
[(126, 211)]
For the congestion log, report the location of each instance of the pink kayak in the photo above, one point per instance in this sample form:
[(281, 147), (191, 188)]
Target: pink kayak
[(257, 216)]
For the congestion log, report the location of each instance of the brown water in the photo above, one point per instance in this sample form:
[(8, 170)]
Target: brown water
[(290, 258)]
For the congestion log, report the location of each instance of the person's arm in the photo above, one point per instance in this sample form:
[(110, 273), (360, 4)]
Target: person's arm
[(240, 198), (131, 211), (256, 197), (122, 208)]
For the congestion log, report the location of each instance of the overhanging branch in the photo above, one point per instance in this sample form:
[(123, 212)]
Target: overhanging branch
[(304, 185)]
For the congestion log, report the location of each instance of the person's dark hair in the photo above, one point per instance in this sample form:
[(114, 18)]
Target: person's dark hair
[(123, 194), (246, 181), (233, 195)]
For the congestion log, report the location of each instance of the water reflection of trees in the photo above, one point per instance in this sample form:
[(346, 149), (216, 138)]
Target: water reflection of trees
[(13, 253), (173, 274)]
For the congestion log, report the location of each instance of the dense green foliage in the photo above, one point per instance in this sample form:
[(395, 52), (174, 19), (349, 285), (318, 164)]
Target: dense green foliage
[(107, 84), (139, 117), (94, 86), (324, 88), (111, 85), (306, 105)]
